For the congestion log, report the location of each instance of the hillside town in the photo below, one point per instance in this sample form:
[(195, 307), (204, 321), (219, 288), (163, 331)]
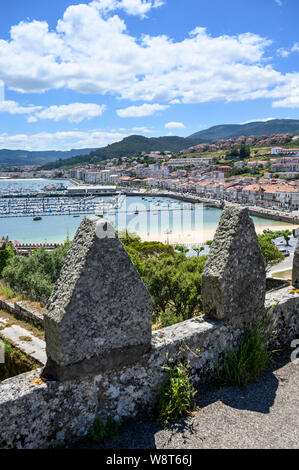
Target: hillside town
[(266, 177)]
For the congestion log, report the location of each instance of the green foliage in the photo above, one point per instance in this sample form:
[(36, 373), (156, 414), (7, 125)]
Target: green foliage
[(270, 252), (16, 362), (175, 286), (181, 248), (287, 236), (177, 394), (100, 431), (244, 152), (5, 255), (36, 273), (293, 144), (198, 249), (173, 280), (27, 157), (257, 128), (7, 292), (250, 359), (131, 145)]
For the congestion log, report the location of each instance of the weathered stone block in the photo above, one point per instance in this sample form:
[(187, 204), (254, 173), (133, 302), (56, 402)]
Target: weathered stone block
[(234, 278), (99, 315), (295, 274)]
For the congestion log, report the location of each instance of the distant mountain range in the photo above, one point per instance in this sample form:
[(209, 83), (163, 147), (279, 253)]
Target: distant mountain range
[(25, 157), (135, 144), (257, 128)]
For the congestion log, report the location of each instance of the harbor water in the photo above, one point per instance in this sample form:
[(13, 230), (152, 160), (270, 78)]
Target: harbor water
[(152, 218)]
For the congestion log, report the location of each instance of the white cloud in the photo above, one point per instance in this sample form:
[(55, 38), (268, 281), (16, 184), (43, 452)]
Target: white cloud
[(140, 111), (75, 112), (286, 52), (283, 52), (174, 125), (259, 120), (60, 140), (143, 130), (279, 2), (31, 119), (286, 95), (90, 51), (12, 107), (139, 7), (131, 7)]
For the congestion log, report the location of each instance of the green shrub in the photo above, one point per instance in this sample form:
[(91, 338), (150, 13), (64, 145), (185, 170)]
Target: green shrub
[(172, 279), (16, 362), (5, 255), (36, 273), (181, 248), (100, 431), (174, 283), (250, 359), (270, 252), (7, 292), (177, 394)]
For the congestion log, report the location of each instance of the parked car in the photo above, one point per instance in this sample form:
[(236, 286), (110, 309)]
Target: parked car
[(285, 252)]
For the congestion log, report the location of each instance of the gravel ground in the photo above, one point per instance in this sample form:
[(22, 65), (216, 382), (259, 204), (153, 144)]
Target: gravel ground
[(262, 415)]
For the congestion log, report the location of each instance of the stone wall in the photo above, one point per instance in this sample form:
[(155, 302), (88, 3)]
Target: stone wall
[(40, 410), (36, 413), (23, 312)]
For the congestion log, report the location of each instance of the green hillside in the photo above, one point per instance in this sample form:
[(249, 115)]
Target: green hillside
[(257, 128), (25, 157), (129, 146)]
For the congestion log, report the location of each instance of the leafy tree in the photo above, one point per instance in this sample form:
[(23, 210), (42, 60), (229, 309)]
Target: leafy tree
[(244, 152), (233, 153), (36, 274), (5, 255), (175, 284), (287, 236), (198, 249), (181, 248), (270, 252), (173, 280)]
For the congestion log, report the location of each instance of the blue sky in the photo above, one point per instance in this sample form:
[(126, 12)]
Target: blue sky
[(83, 73)]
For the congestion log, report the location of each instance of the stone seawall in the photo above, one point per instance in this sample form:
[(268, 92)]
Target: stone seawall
[(181, 197)]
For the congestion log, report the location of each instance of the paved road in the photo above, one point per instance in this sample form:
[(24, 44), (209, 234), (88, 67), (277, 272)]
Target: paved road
[(262, 415), (287, 263)]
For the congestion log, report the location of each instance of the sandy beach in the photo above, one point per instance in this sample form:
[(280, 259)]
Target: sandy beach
[(200, 236)]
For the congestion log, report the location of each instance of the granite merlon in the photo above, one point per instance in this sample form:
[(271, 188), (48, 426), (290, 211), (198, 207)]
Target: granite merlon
[(234, 278), (99, 315)]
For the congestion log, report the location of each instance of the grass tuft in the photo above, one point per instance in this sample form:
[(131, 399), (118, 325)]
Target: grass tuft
[(177, 394), (250, 359)]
